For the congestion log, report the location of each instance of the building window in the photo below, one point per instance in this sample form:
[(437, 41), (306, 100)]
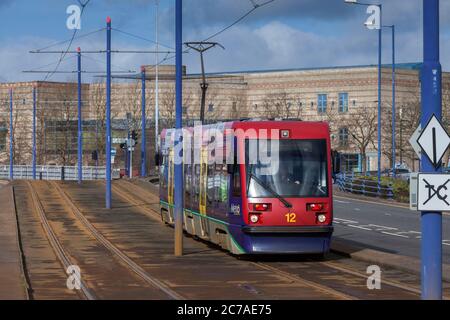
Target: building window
[(322, 103), (211, 107), (343, 137), (3, 137), (234, 106), (343, 102)]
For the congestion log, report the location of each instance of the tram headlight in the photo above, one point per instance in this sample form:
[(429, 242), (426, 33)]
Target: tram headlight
[(254, 218), (321, 218)]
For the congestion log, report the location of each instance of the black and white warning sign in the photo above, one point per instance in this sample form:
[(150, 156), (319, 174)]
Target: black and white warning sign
[(433, 192), (434, 141)]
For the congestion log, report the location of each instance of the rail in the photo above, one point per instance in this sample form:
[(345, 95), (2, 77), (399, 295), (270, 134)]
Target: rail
[(361, 185), (69, 173)]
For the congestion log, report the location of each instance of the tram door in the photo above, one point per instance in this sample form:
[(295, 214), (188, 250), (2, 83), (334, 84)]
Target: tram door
[(170, 187), (203, 190)]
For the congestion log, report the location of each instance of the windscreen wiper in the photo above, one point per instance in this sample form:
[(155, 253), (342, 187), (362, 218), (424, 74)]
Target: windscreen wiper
[(286, 203)]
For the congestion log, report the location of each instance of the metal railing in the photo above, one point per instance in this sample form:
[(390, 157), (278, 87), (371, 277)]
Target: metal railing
[(69, 173), (349, 182)]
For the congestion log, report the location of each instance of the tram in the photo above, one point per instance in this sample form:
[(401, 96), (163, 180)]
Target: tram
[(253, 187)]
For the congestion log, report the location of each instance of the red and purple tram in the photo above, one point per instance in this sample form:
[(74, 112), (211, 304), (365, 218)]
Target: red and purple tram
[(244, 204)]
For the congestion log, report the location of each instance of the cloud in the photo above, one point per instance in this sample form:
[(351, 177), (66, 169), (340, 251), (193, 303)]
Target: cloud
[(284, 34)]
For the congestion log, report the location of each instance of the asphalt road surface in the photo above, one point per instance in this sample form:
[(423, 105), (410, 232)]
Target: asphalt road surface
[(384, 227)]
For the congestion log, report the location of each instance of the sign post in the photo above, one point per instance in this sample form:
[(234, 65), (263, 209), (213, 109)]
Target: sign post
[(431, 106)]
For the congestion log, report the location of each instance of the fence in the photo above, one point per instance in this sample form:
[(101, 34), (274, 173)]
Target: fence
[(360, 185), (56, 173)]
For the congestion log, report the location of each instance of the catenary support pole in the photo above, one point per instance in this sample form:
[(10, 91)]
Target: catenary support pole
[(144, 126), (157, 84), (394, 114), (11, 136), (108, 113), (34, 135), (431, 104), (178, 192), (80, 120)]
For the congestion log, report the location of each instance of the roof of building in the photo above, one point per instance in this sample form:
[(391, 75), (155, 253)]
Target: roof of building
[(404, 66)]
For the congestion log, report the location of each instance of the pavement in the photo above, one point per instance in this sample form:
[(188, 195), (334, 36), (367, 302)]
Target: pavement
[(13, 285), (384, 226)]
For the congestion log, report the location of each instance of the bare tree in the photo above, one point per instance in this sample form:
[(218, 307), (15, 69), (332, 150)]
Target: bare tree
[(362, 128), (98, 110), (281, 105), (238, 108), (167, 104), (214, 106)]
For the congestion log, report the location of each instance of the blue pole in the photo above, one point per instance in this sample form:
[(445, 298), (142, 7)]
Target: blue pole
[(129, 164), (393, 143), (379, 99), (80, 122), (431, 104), (144, 125), (108, 113), (34, 135), (11, 136), (394, 148), (178, 190)]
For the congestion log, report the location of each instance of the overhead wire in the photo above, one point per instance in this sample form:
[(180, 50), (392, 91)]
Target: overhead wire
[(255, 6), (83, 6)]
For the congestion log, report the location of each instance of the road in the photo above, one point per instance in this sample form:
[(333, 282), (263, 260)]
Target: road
[(384, 227)]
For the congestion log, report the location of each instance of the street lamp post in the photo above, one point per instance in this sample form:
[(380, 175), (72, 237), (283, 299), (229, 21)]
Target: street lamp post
[(379, 80), (392, 27)]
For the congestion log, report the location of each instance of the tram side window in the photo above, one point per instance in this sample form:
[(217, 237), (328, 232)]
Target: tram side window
[(188, 179), (196, 183), (211, 183), (236, 182), (222, 176), (164, 169)]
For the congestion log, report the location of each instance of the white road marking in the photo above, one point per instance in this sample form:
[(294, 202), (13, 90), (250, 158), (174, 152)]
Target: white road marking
[(357, 209), (346, 221), (416, 232), (382, 227), (395, 234), (340, 201), (359, 227), (446, 242), (384, 204)]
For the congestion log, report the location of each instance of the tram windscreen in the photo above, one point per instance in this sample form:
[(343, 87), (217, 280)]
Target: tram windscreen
[(299, 171)]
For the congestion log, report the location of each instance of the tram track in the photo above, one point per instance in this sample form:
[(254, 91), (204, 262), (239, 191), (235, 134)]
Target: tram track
[(119, 254), (328, 269), (63, 257), (110, 273)]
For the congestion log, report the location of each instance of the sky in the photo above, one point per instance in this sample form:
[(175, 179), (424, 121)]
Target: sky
[(283, 34)]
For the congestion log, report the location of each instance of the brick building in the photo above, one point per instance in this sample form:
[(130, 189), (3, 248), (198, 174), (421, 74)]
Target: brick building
[(346, 97)]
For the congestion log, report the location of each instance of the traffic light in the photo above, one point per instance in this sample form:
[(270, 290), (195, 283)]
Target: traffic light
[(123, 146), (134, 136)]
